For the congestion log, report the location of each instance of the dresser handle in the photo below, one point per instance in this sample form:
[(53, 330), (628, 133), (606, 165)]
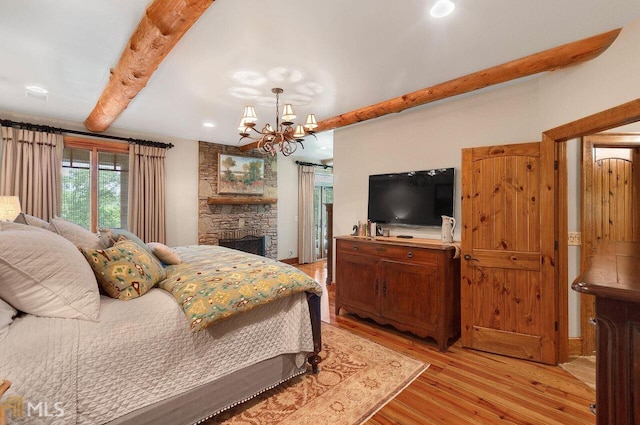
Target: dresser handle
[(384, 288), (593, 321), (593, 409), (356, 247), (410, 254)]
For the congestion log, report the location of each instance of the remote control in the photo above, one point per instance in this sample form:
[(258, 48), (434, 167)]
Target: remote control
[(405, 236)]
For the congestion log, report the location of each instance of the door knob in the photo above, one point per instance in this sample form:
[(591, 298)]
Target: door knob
[(470, 258)]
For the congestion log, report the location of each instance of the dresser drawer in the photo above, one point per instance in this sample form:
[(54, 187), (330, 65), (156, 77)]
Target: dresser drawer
[(389, 252)]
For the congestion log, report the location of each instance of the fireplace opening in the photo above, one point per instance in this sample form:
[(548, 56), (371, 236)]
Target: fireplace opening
[(243, 241)]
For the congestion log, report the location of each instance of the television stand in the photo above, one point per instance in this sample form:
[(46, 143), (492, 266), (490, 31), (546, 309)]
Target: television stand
[(411, 284)]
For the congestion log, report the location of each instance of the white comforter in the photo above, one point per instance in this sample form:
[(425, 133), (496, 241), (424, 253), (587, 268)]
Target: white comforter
[(140, 352)]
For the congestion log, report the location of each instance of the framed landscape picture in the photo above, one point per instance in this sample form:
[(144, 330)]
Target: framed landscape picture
[(241, 175)]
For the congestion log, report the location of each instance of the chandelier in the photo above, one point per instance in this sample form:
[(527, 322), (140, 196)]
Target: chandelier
[(284, 137)]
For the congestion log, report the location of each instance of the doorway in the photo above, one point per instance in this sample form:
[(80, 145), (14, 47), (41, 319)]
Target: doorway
[(610, 186), (556, 139), (323, 194)]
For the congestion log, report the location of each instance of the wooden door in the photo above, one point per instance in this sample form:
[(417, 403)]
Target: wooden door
[(508, 291), (611, 191)]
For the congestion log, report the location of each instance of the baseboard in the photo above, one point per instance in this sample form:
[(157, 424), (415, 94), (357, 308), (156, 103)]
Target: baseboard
[(289, 260), (575, 347)]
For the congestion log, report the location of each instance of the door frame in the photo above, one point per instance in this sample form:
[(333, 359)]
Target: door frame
[(555, 140)]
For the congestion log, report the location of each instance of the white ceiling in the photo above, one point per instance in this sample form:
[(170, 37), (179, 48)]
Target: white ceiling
[(330, 57)]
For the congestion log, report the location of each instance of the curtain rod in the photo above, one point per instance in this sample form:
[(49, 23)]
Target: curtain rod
[(49, 129), (311, 164)]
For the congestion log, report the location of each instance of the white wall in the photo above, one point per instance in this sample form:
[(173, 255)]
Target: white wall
[(432, 136), (425, 138), (181, 166)]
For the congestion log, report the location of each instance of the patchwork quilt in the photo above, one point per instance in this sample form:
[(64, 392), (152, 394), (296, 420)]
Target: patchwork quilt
[(214, 283)]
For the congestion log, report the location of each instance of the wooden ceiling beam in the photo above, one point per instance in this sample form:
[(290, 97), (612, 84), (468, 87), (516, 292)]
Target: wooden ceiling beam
[(548, 60), (162, 26)]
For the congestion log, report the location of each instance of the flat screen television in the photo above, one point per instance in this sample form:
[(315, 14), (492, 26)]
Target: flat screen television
[(416, 198)]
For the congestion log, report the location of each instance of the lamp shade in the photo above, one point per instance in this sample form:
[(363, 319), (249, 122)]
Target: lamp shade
[(311, 122), (299, 133), (9, 207), (287, 114), (249, 114)]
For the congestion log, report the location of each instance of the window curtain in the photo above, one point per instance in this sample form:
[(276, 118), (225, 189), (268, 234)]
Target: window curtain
[(32, 170), (306, 237), (147, 193)]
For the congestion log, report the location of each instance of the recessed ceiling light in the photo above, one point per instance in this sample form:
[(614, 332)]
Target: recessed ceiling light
[(37, 89), (442, 8), (208, 124)]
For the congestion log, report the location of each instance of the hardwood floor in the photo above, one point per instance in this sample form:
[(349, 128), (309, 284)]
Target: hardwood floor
[(465, 386)]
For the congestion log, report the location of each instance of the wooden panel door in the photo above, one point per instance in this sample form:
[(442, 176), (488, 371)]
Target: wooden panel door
[(508, 287), (613, 197)]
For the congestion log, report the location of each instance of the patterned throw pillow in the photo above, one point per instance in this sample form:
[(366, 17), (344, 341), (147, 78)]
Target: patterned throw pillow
[(126, 270)]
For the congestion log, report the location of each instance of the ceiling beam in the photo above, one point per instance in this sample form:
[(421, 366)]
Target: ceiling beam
[(548, 60), (162, 26)]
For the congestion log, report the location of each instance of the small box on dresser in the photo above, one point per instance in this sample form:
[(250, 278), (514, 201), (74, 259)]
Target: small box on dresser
[(411, 284)]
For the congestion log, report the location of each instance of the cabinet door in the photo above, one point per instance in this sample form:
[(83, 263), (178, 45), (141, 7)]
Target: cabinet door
[(410, 293), (356, 284)]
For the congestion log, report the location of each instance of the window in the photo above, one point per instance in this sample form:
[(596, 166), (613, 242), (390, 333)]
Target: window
[(95, 183)]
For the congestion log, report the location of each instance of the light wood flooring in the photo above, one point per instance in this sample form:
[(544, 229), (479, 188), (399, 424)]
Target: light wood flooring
[(465, 386)]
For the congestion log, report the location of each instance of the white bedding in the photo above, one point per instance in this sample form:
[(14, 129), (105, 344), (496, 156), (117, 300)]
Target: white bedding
[(140, 352)]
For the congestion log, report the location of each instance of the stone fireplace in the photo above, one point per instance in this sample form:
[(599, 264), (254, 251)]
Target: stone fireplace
[(243, 241), (226, 221)]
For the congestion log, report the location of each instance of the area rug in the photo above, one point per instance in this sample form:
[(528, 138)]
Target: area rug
[(583, 368), (357, 377)]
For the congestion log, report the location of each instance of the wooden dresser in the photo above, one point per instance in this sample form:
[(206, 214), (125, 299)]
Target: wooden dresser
[(411, 284), (613, 276)]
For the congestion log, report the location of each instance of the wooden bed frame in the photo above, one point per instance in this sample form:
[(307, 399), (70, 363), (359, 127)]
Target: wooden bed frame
[(314, 358)]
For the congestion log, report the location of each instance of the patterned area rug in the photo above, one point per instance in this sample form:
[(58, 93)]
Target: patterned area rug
[(357, 377)]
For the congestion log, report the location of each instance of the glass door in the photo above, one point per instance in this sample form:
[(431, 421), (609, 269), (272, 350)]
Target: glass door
[(322, 195)]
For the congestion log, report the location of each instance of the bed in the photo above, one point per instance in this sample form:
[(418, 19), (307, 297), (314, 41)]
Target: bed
[(155, 359)]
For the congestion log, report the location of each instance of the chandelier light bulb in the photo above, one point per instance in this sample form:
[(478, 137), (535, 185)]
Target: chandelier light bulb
[(242, 127), (442, 8)]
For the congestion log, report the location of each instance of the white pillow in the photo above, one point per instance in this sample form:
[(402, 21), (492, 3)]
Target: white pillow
[(31, 221), (44, 274), (75, 233), (164, 253), (7, 313)]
